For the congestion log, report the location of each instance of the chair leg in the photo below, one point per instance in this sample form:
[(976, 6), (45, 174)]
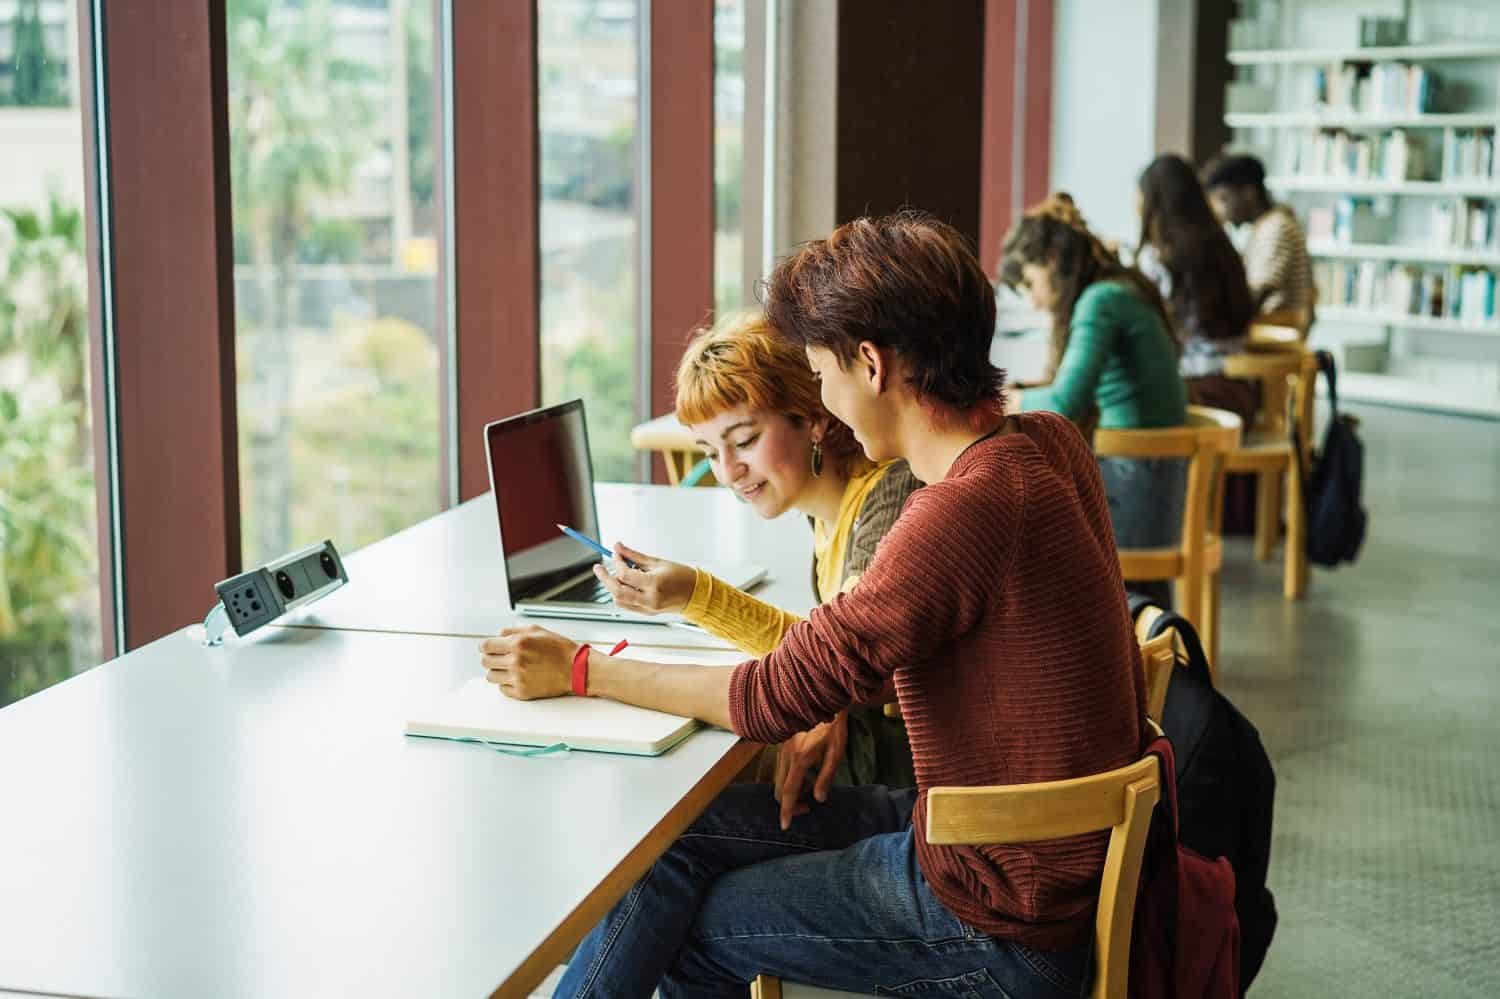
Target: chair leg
[(1267, 513), (1294, 583), (674, 471), (765, 987), (1187, 592), (1209, 630)]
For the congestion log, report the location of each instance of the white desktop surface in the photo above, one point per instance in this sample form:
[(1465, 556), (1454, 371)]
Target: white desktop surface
[(444, 575), (250, 821)]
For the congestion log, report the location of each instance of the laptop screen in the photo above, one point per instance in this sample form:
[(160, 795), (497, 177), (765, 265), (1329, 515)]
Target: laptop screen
[(541, 474)]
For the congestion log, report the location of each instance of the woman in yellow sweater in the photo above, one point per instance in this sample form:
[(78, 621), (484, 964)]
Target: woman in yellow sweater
[(754, 407)]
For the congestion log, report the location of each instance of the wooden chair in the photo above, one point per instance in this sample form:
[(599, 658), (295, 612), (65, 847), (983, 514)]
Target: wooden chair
[(685, 463), (1193, 564), (1267, 451), (1158, 656), (1298, 320), (1120, 801), (1274, 338)]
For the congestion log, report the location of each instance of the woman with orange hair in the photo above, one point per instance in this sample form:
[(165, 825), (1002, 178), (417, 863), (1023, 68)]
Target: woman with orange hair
[(753, 404)]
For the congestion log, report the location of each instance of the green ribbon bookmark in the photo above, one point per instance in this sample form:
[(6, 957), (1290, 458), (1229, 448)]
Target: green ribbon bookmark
[(556, 747)]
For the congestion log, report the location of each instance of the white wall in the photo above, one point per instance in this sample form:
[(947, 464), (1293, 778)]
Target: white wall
[(1104, 107)]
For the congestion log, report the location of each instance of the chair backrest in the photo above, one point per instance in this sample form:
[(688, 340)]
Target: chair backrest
[(1270, 334), (1120, 801), (1207, 437), (1279, 374), (1158, 656)]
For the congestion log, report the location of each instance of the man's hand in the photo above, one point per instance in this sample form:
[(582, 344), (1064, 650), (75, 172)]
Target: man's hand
[(822, 747), (528, 662)]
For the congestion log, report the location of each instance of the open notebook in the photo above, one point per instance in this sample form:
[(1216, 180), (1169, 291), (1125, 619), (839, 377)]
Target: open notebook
[(478, 710)]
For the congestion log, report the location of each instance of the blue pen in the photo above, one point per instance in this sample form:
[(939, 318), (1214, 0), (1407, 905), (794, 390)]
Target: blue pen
[(578, 536)]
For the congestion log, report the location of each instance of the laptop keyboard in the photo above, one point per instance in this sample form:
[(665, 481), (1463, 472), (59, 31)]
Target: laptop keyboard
[(585, 591)]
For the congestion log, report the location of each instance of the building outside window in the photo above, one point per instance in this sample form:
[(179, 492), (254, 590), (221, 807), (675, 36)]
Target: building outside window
[(49, 550), (338, 335), (589, 105)]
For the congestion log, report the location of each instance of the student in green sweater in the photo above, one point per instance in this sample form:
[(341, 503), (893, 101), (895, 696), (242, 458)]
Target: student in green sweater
[(1116, 361)]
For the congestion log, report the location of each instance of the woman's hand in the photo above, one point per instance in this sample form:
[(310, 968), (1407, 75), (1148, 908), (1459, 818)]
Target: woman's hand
[(528, 662), (823, 747), (655, 586)]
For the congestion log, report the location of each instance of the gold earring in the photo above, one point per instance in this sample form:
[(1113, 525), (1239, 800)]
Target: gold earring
[(817, 459)]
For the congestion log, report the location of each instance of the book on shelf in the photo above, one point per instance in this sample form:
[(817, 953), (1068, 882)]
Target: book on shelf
[(1356, 221), (1338, 153), (1460, 293), (1370, 88), (1469, 154), (1463, 224)]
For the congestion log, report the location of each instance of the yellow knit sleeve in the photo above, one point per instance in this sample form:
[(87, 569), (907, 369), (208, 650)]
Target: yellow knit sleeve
[(753, 626)]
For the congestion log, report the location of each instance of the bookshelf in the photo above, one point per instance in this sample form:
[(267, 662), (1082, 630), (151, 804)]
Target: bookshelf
[(1334, 313), (1331, 250), (1388, 156), (1415, 188), (1373, 53), (1358, 120)]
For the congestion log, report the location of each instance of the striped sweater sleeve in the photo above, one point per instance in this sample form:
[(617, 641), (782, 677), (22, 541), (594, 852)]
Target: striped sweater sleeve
[(932, 579), (877, 515)]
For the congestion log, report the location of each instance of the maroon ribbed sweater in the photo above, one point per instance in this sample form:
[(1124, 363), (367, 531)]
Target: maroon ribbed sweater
[(996, 606)]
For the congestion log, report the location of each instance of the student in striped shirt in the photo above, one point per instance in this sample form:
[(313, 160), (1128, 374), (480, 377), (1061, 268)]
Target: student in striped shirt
[(1276, 261)]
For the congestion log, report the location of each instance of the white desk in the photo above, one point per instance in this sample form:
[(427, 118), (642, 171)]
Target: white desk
[(250, 821), (444, 576)]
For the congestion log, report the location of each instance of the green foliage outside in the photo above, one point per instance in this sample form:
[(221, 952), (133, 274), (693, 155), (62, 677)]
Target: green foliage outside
[(420, 144), (588, 353), (48, 557), (348, 452), (37, 78)]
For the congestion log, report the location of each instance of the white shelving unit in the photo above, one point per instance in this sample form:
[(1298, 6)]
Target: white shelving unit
[(1334, 313), (1346, 119), (1416, 188), (1385, 53), (1411, 360), (1405, 253)]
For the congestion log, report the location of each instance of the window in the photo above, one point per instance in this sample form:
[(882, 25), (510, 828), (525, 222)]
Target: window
[(49, 552), (331, 113), (729, 155), (588, 101)]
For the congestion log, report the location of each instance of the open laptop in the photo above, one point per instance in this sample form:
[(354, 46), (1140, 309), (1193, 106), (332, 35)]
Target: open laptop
[(541, 475)]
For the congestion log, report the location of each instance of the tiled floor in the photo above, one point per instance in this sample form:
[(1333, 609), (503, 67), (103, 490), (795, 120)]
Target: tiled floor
[(1378, 699)]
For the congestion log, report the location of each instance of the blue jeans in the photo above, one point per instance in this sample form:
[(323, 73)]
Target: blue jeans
[(1146, 499), (837, 901)]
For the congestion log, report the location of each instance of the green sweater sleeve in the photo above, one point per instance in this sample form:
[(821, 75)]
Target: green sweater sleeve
[(1091, 340)]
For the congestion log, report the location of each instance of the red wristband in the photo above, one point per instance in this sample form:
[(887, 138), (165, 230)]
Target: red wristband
[(581, 671), (581, 666)]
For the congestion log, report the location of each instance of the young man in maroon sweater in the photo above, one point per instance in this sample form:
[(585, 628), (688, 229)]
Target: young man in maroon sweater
[(994, 608)]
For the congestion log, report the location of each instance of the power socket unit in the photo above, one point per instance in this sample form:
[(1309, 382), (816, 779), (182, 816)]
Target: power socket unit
[(258, 597)]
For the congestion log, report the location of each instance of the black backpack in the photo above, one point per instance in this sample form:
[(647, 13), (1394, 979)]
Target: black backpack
[(1336, 518), (1225, 786)]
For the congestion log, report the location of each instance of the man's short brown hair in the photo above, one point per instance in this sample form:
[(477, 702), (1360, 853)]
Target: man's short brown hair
[(906, 282)]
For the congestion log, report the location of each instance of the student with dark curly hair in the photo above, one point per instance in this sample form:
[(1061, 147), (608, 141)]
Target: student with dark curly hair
[(993, 607), (1117, 366)]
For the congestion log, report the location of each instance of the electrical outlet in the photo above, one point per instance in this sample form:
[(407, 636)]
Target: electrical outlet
[(250, 600), (255, 598)]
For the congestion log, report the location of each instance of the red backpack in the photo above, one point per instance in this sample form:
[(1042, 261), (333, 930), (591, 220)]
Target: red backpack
[(1186, 939)]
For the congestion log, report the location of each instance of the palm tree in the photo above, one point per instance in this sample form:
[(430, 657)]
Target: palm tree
[(301, 118), (44, 298)]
